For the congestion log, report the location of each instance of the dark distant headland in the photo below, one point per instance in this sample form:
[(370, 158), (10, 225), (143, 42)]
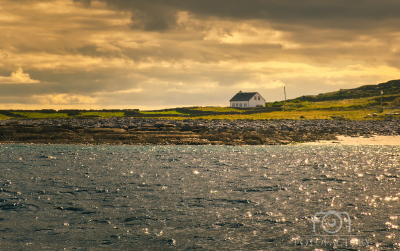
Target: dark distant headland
[(363, 111)]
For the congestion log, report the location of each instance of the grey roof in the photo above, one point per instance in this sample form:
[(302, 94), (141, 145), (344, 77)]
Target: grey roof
[(243, 96)]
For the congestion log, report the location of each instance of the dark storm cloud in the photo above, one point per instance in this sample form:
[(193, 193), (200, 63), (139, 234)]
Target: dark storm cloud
[(85, 3), (154, 54), (343, 14), (80, 82)]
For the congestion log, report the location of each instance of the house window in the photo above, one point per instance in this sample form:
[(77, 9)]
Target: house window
[(258, 97), (255, 97), (240, 104), (245, 105)]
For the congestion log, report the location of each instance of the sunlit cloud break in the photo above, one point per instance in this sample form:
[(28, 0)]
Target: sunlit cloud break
[(147, 55), (18, 77)]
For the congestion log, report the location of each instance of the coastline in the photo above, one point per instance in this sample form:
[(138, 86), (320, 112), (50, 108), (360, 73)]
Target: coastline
[(136, 131), (372, 140)]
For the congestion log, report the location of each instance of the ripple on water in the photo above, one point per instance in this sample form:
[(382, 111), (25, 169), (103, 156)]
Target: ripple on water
[(186, 197)]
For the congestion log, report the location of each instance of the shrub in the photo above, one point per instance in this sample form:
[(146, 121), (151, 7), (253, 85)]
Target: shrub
[(396, 102)]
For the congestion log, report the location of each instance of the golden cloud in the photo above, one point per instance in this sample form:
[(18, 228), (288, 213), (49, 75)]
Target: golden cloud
[(18, 77), (121, 53)]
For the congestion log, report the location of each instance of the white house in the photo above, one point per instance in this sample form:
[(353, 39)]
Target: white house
[(247, 99)]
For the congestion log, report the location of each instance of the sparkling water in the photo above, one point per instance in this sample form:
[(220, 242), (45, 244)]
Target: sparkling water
[(75, 197)]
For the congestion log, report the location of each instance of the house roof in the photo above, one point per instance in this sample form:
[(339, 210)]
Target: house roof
[(243, 96)]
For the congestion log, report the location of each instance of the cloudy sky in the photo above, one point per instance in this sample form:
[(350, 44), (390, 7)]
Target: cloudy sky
[(152, 54)]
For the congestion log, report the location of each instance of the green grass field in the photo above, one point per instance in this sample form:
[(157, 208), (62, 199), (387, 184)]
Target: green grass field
[(3, 117), (218, 109), (101, 114), (352, 104), (294, 114), (38, 115), (164, 112), (350, 109), (342, 104), (312, 112)]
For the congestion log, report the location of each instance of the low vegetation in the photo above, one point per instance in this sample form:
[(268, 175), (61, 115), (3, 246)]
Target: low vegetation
[(164, 112), (314, 111), (4, 117), (219, 109), (103, 114), (390, 88), (298, 114), (38, 115), (350, 104)]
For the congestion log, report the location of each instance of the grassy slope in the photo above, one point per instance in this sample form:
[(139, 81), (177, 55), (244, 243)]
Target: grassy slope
[(389, 88), (309, 110), (38, 115), (353, 104), (295, 114), (3, 117), (218, 109), (102, 114), (163, 112)]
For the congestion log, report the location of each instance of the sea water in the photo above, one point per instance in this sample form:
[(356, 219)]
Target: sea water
[(305, 197)]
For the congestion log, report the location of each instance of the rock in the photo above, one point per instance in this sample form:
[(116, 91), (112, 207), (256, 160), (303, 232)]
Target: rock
[(252, 142), (106, 130), (157, 131), (217, 143)]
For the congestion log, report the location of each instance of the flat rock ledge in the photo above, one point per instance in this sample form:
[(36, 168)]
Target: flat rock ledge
[(133, 131)]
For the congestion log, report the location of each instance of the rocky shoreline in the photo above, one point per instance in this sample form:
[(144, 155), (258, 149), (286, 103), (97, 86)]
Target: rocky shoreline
[(139, 131)]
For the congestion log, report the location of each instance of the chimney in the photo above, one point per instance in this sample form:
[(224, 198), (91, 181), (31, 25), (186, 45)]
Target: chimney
[(240, 91)]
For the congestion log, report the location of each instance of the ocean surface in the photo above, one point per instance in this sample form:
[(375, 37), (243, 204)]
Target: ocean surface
[(299, 197)]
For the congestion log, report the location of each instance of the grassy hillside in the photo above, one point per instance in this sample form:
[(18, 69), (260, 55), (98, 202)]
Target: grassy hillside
[(303, 110), (352, 104), (390, 88), (345, 104), (361, 97)]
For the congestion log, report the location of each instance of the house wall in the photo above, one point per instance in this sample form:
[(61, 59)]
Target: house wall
[(254, 102), (240, 104)]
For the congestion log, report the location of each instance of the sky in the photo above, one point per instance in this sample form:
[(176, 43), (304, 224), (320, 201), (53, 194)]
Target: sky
[(151, 54)]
